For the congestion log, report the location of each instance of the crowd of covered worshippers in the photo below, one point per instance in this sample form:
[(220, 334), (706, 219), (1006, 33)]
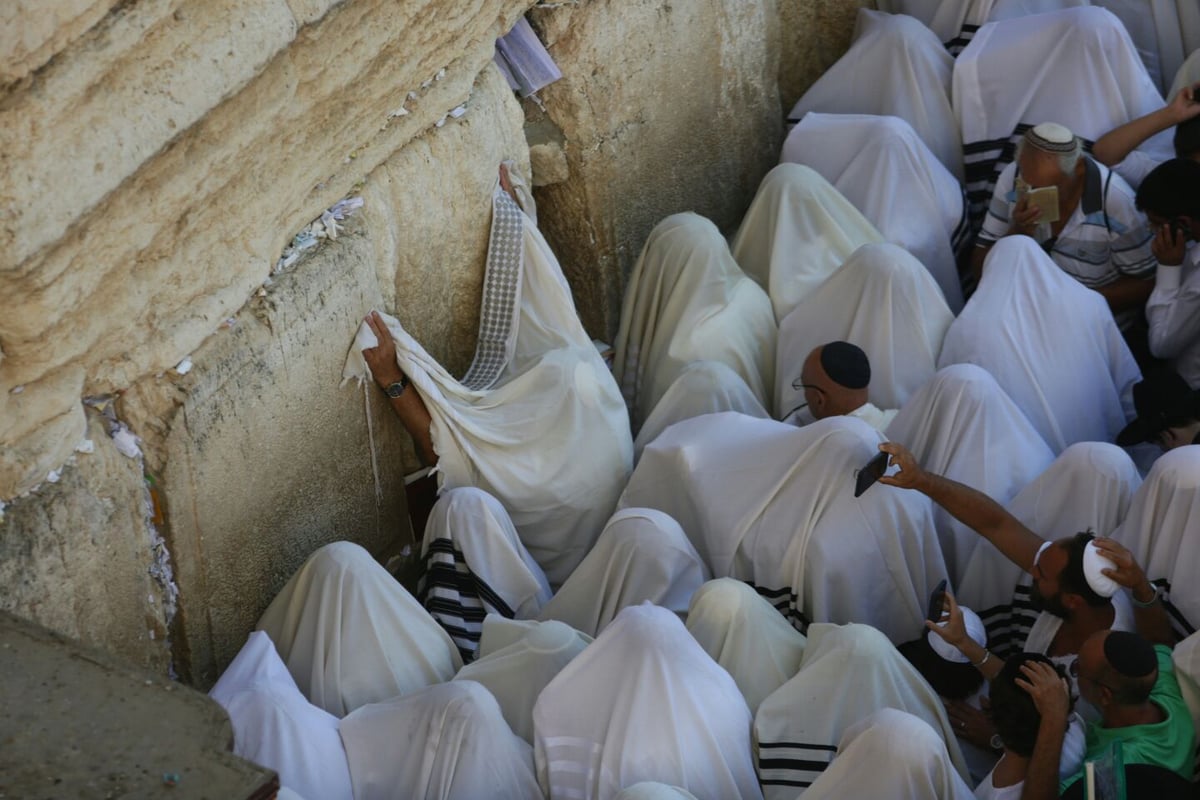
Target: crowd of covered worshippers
[(663, 578)]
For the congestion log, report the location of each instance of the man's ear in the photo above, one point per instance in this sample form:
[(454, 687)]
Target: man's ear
[(1072, 601)]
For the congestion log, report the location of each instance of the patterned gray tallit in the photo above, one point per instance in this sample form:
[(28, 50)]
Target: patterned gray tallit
[(501, 294)]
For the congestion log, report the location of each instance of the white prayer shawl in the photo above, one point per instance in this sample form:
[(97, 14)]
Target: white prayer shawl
[(1162, 530), (275, 726), (885, 302), (1077, 67), (536, 396), (446, 742), (848, 673), (1164, 32), (956, 21), (1088, 487), (687, 300), (796, 233), (881, 166), (643, 703), (1187, 670), (500, 632), (897, 67), (642, 556), (649, 790), (774, 505), (1051, 344), (475, 565), (894, 755), (516, 674), (350, 634), (745, 635), (962, 425), (703, 387)]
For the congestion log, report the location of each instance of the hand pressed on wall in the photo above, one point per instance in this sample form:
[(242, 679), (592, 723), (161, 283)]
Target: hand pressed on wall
[(381, 359)]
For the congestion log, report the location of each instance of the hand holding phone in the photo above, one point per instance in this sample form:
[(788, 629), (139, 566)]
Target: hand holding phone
[(936, 600), (870, 473)]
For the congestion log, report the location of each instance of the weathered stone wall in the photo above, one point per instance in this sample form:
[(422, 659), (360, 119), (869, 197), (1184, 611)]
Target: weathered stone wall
[(156, 156)]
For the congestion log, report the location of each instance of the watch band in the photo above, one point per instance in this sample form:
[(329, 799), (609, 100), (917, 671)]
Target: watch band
[(397, 389)]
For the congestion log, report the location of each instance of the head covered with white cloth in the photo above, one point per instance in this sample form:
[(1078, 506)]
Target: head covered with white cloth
[(350, 634), (848, 673), (1088, 487), (891, 754), (796, 233), (687, 300), (962, 425), (516, 673), (883, 301), (536, 395), (1162, 530), (872, 160), (703, 387), (446, 742), (1051, 344), (746, 635), (1077, 66), (475, 565), (643, 703), (642, 556), (774, 505), (895, 66)]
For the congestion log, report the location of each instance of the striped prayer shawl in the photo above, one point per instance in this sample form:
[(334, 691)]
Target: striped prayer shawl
[(795, 764), (456, 597)]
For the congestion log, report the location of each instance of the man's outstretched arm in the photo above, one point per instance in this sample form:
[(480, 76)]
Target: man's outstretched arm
[(409, 406), (971, 507)]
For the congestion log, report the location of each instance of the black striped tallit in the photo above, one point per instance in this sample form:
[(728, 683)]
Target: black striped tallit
[(456, 597), (795, 764)]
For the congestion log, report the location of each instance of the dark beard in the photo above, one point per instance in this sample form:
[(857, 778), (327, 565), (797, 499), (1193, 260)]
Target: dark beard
[(1051, 605)]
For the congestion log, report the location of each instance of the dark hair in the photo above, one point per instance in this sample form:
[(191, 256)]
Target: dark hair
[(1187, 138), (1012, 709), (1170, 190), (1131, 667), (950, 680), (1072, 579)]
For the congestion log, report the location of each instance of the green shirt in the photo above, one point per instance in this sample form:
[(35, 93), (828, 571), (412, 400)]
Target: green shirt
[(1170, 743)]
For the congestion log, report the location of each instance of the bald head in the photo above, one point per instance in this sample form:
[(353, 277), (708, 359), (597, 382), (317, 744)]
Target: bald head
[(835, 378)]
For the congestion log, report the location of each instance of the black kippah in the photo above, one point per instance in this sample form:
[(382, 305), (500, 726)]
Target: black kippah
[(846, 365), (1130, 654)]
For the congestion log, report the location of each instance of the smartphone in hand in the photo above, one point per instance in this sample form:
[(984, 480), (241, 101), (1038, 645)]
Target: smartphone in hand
[(936, 600), (872, 472)]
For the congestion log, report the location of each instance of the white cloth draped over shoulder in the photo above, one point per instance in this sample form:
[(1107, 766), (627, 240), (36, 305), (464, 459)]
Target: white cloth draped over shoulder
[(956, 21), (517, 673), (796, 233), (688, 300), (275, 726), (1050, 343), (643, 703), (885, 302), (881, 166), (848, 673), (1164, 32), (446, 742), (475, 565), (744, 633), (898, 67), (1162, 530), (1077, 67), (350, 634), (649, 790), (642, 556), (962, 425), (1088, 487), (774, 505), (703, 387), (891, 754), (536, 396)]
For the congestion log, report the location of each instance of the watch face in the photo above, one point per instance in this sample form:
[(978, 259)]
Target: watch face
[(395, 390)]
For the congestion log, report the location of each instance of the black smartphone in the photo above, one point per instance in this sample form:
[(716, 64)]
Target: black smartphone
[(936, 600), (1178, 226), (872, 472)]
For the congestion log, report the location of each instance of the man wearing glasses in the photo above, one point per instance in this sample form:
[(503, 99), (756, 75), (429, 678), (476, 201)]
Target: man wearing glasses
[(834, 380)]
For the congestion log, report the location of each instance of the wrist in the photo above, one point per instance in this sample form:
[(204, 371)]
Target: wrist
[(1145, 594)]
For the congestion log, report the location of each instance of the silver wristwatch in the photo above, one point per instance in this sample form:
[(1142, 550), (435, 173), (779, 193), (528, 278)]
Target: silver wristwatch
[(396, 389)]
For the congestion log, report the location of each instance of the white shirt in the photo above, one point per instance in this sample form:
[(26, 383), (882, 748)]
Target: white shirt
[(877, 418), (1173, 312)]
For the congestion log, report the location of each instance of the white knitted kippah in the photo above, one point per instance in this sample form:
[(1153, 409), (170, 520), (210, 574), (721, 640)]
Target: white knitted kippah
[(1051, 138)]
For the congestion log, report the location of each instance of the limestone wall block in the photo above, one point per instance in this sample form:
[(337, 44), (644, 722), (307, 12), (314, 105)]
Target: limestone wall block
[(152, 269), (76, 557), (815, 34), (41, 422), (664, 107), (33, 31)]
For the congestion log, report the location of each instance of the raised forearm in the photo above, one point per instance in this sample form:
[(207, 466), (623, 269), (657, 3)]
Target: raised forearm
[(416, 420), (1150, 616), (985, 516), (1041, 779), (1112, 148)]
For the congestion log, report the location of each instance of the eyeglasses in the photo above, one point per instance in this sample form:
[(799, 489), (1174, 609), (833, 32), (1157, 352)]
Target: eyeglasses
[(799, 386), (1075, 673)]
